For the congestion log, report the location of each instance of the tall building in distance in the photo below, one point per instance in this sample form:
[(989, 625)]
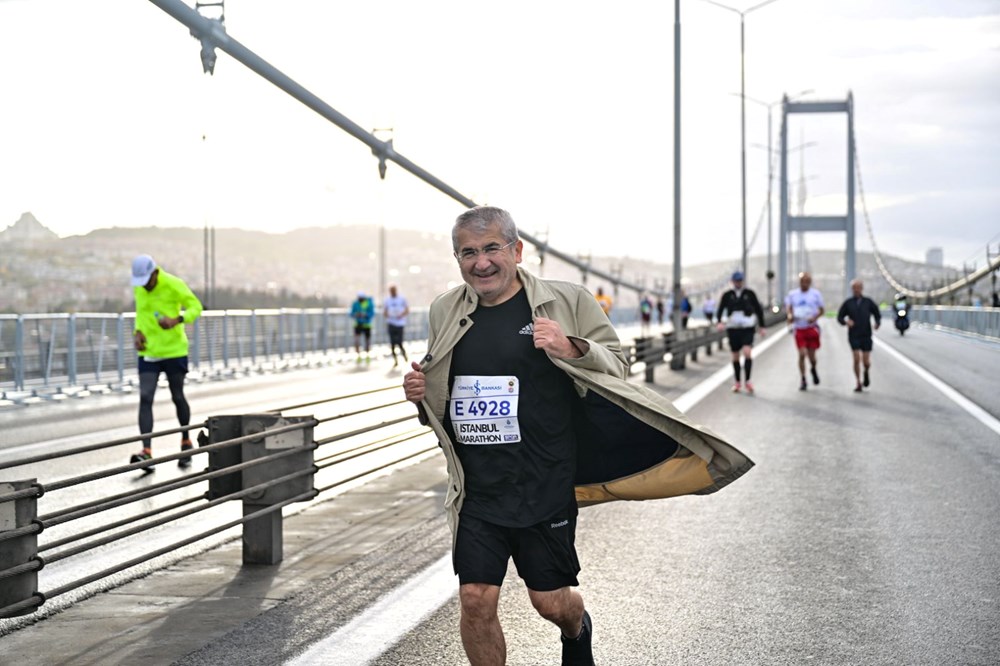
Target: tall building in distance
[(935, 256)]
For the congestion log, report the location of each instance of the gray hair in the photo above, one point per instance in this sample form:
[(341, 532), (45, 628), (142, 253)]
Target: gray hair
[(480, 218)]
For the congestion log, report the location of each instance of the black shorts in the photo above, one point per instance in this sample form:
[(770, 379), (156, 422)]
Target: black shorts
[(395, 335), (363, 329), (168, 366), (740, 338), (544, 554), (859, 343)]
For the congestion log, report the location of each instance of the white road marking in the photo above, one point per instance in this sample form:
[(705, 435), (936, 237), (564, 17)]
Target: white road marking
[(698, 393), (972, 408), (381, 626)]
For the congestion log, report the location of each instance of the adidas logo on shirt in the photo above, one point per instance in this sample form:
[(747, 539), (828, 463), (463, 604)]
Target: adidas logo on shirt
[(528, 329)]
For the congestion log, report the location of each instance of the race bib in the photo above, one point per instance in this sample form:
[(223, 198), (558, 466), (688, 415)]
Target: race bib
[(739, 319), (802, 311), (483, 409)]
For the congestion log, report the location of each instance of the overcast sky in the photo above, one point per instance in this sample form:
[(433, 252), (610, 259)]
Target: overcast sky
[(560, 111)]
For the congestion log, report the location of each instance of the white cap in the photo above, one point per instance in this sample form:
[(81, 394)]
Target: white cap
[(142, 268)]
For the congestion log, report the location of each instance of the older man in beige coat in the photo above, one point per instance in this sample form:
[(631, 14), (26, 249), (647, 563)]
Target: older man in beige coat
[(511, 360)]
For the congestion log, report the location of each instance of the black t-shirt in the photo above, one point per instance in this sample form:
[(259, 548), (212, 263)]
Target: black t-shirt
[(860, 310), (744, 301), (515, 484)]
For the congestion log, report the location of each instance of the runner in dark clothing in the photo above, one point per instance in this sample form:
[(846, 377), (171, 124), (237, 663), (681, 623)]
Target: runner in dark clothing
[(856, 313), (743, 313)]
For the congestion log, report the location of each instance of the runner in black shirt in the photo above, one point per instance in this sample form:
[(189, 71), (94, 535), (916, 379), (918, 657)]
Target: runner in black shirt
[(743, 314), (856, 313), (514, 484), (509, 417)]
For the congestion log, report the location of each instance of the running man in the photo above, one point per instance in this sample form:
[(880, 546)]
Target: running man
[(604, 301), (163, 306), (516, 368), (362, 312), (395, 310), (743, 315), (856, 313), (804, 307)]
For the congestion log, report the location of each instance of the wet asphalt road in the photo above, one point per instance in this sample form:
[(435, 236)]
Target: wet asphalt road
[(866, 534)]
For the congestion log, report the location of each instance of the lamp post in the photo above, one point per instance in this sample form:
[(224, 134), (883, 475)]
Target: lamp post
[(770, 181), (743, 120)]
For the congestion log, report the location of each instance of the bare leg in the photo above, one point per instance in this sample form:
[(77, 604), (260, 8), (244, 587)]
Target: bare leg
[(857, 366), (562, 607), (482, 635)]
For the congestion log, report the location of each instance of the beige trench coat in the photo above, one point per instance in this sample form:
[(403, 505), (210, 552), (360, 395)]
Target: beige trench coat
[(632, 443)]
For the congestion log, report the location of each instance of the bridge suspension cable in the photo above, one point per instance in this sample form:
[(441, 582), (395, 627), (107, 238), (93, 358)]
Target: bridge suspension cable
[(212, 34), (968, 280)]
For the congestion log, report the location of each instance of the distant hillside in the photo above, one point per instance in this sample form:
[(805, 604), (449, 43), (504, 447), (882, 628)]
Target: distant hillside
[(40, 272)]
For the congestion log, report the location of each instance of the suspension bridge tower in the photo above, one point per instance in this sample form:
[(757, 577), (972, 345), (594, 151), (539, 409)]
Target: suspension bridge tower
[(805, 223)]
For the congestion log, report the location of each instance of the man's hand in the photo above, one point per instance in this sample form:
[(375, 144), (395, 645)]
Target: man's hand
[(415, 383), (549, 337), (720, 326), (849, 322), (168, 323), (762, 331), (140, 341)]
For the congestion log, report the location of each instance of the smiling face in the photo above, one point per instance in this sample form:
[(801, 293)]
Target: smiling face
[(493, 275)]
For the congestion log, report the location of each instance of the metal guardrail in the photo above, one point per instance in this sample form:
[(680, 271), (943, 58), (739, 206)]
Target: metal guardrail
[(648, 352), (55, 355), (983, 322), (264, 460), (62, 351)]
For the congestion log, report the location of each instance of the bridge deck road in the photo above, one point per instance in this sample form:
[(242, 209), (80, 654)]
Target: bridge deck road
[(867, 533)]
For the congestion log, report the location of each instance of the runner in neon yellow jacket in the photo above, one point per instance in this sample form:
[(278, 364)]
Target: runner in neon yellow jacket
[(170, 299), (163, 305)]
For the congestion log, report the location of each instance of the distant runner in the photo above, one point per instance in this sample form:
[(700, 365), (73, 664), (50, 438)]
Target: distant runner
[(743, 314), (856, 313), (804, 307)]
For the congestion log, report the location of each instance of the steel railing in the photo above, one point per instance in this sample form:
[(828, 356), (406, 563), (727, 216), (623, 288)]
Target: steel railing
[(66, 351), (378, 433), (984, 322)]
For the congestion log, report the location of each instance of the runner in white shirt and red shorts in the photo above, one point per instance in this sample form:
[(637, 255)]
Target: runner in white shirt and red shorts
[(804, 307)]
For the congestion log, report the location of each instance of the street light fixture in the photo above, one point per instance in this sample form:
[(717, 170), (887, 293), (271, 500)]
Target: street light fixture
[(743, 119)]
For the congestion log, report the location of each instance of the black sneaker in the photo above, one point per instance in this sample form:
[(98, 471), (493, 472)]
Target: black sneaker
[(578, 651), (141, 456), (815, 375), (866, 382), (186, 445), (802, 386)]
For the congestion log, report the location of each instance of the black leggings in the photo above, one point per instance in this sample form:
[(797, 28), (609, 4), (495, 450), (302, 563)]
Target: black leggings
[(147, 389)]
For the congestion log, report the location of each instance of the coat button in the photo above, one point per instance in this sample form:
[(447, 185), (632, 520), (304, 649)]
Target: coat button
[(462, 322)]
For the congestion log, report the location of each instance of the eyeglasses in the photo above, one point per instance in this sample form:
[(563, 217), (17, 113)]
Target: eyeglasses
[(471, 254)]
